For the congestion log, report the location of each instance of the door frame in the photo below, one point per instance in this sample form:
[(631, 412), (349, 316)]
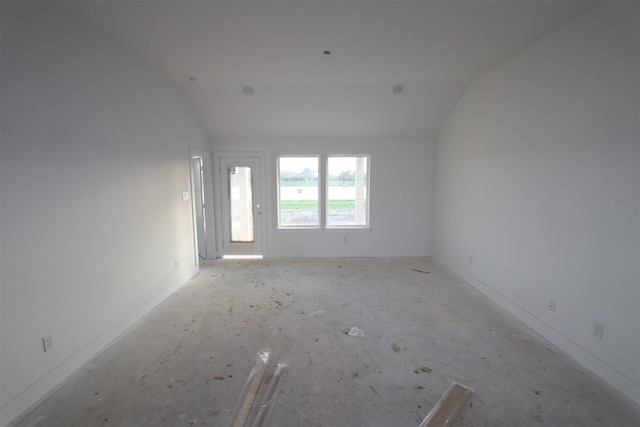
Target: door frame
[(260, 178), (209, 215)]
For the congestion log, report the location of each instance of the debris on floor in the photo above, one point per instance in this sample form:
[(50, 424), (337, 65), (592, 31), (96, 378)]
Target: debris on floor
[(436, 320), (270, 396), (247, 395), (248, 412), (448, 406), (315, 313), (356, 332)]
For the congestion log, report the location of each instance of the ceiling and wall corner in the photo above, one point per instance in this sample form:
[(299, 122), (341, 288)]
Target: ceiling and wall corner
[(434, 49)]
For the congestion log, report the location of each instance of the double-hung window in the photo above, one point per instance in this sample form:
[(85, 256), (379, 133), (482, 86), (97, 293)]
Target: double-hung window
[(323, 191), (347, 191), (298, 192)]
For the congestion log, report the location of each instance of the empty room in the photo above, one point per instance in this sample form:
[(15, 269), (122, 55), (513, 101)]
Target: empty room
[(320, 213)]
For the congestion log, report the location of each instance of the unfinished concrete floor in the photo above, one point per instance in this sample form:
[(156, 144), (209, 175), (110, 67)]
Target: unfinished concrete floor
[(187, 361)]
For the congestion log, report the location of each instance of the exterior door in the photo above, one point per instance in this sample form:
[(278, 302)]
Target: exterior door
[(202, 203), (197, 179), (241, 205)]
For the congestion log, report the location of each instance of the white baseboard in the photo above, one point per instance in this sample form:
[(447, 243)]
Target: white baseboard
[(47, 384), (617, 379)]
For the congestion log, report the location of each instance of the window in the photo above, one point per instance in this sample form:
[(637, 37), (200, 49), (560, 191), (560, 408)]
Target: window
[(342, 202), (298, 192), (347, 191)]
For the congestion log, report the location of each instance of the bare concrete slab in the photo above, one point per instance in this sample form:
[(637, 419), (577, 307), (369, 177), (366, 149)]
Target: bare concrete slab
[(187, 361)]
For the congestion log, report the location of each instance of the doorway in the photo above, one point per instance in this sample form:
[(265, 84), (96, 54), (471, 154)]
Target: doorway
[(241, 206), (202, 198)]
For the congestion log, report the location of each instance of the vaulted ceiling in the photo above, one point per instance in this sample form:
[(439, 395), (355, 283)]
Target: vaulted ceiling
[(432, 49)]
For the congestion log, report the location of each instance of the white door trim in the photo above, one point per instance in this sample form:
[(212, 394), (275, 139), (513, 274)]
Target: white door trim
[(210, 202), (218, 156)]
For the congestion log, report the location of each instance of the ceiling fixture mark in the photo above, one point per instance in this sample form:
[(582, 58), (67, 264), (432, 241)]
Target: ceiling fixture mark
[(397, 89), (327, 52), (248, 90)]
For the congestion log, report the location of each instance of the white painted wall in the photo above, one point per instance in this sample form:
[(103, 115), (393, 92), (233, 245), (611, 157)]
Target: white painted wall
[(402, 174), (94, 159), (537, 180)]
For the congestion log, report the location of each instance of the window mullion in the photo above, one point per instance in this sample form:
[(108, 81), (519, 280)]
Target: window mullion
[(324, 179)]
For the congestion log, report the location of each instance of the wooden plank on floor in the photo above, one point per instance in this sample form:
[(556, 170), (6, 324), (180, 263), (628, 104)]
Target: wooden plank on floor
[(448, 406)]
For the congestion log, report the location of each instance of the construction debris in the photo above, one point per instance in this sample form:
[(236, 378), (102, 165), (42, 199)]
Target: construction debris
[(448, 406)]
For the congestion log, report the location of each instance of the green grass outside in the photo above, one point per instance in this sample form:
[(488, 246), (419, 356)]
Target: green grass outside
[(295, 205), (298, 184)]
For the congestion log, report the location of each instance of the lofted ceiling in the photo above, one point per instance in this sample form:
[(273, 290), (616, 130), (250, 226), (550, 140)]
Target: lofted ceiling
[(433, 49)]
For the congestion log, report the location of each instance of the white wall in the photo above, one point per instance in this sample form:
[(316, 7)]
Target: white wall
[(537, 180), (94, 159), (402, 174)]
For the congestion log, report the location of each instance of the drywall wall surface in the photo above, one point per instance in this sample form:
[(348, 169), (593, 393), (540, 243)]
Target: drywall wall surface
[(638, 174), (402, 174), (537, 189), (94, 229)]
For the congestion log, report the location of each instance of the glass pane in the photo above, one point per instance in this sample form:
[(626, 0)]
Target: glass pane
[(298, 192), (241, 197), (347, 191)]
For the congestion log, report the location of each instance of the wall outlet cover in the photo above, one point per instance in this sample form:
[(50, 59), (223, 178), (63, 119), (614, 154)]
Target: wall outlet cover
[(47, 342), (598, 329)]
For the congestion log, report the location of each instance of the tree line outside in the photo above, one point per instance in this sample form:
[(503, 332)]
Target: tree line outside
[(309, 178)]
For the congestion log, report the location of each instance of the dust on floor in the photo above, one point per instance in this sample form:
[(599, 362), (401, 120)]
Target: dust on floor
[(417, 329)]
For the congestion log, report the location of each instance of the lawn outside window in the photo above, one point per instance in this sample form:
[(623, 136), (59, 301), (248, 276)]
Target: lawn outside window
[(298, 192), (343, 202), (347, 192)]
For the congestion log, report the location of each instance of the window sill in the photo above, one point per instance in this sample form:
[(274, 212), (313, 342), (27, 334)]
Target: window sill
[(339, 229), (330, 230), (288, 229)]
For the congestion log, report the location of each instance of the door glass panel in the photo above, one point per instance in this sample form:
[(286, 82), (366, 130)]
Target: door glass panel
[(241, 206)]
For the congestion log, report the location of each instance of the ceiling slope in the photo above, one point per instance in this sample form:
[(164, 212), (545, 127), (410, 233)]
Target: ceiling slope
[(434, 49)]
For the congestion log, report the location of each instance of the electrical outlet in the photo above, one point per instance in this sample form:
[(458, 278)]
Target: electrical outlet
[(47, 342), (598, 329), (551, 304)]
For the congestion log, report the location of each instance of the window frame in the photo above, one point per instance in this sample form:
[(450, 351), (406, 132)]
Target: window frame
[(326, 199), (280, 226), (323, 193)]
